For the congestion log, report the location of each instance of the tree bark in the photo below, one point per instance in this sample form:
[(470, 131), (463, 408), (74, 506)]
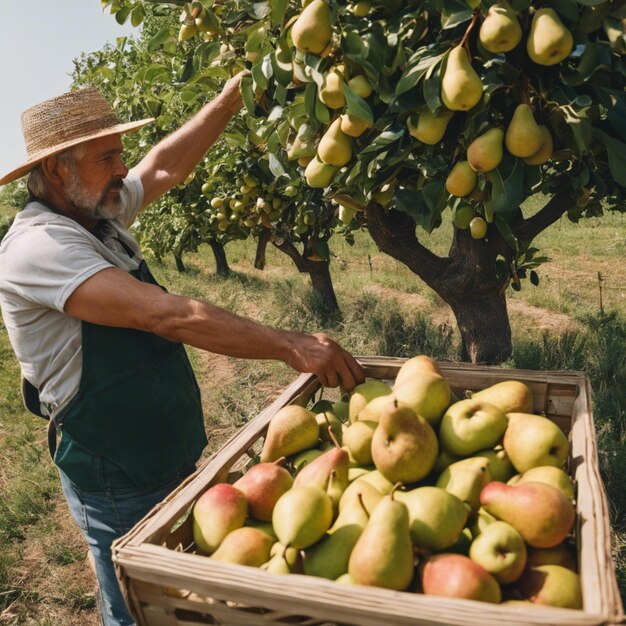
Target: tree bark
[(319, 273), (264, 238), (180, 266), (221, 262)]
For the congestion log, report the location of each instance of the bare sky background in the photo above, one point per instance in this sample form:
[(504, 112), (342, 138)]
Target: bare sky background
[(38, 41)]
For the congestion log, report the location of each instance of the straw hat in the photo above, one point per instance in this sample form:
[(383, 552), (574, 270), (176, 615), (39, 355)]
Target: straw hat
[(65, 121)]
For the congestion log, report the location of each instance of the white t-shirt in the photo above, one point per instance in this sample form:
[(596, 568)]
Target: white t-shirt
[(44, 257)]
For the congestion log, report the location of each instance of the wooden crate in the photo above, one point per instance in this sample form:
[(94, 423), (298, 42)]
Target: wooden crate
[(165, 586)]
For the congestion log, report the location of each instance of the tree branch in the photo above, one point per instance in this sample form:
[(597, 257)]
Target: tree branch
[(560, 202), (292, 252)]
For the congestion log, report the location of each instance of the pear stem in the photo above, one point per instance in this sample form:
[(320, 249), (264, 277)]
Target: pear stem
[(394, 488), (331, 434), (360, 499), (469, 30)]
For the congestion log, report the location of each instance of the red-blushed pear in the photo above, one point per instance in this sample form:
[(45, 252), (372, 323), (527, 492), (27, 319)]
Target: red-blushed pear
[(218, 511), (552, 585), (501, 550), (404, 446), (534, 440), (245, 546), (318, 471), (262, 485), (510, 396), (554, 476), (436, 517), (292, 429), (471, 425), (541, 513), (457, 576), (302, 516), (383, 554), (562, 554), (364, 393), (428, 394)]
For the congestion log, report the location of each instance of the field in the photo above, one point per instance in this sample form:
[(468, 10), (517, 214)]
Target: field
[(575, 319)]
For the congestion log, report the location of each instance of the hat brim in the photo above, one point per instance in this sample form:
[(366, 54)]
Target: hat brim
[(118, 129)]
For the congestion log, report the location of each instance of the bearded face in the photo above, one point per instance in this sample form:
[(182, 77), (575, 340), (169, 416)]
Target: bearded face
[(95, 203)]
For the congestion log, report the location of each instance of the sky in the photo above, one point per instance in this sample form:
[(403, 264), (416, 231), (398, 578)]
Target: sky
[(38, 41)]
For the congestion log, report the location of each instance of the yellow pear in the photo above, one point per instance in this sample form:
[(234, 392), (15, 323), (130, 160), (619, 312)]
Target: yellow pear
[(353, 126), (429, 127), (485, 152), (501, 31), (549, 42), (312, 30), (335, 147), (478, 228), (523, 136), (318, 174), (360, 85), (331, 93), (461, 180), (544, 153), (384, 194), (461, 87)]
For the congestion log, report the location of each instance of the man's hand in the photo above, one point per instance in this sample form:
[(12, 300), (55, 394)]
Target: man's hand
[(320, 355), (231, 91)]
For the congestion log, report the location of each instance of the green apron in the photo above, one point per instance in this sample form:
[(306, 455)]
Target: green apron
[(136, 420)]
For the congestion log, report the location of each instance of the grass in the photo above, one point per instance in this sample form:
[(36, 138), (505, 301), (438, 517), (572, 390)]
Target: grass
[(44, 579)]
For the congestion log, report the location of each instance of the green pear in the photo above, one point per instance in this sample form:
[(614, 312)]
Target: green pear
[(461, 87), (331, 92), (436, 517), (533, 440), (466, 479), (318, 174), (262, 485), (463, 216), (302, 148), (356, 505), (245, 546), (457, 576), (312, 31), (346, 579), (552, 585), (415, 366), (461, 180), (383, 554), (444, 459), (549, 42), (479, 521), (356, 472), (501, 550), (523, 136), (500, 466), (428, 395), (429, 127), (298, 461), (550, 475), (501, 30), (218, 511), (302, 516), (329, 557), (373, 409), (486, 151), (265, 527), (340, 409), (378, 480), (471, 425), (360, 86), (364, 393), (544, 154), (561, 554), (541, 513), (292, 429), (384, 194), (328, 420), (510, 396), (404, 446), (283, 560), (358, 439), (335, 147), (353, 126)]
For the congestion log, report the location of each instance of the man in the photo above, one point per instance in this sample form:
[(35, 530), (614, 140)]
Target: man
[(95, 334)]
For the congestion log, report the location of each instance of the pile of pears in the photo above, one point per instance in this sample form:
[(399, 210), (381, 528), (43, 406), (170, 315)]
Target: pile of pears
[(404, 486)]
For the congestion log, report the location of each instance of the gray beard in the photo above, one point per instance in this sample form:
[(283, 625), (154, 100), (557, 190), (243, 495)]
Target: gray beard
[(90, 203)]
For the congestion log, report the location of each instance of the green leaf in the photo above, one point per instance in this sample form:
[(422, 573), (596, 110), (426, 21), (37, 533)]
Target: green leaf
[(385, 139), (412, 203), (616, 151), (247, 94), (357, 106), (507, 185), (534, 277), (159, 39), (322, 114), (505, 230), (137, 15), (155, 74), (278, 8)]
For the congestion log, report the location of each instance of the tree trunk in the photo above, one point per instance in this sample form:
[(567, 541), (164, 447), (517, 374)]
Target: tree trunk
[(221, 263), (318, 271), (178, 258), (264, 238)]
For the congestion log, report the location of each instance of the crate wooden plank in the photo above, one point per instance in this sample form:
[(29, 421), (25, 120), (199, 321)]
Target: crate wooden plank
[(141, 557)]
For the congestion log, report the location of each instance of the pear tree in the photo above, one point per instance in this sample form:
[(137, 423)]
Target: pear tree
[(420, 114)]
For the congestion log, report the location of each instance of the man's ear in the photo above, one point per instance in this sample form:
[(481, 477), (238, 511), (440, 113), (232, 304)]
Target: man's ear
[(51, 167)]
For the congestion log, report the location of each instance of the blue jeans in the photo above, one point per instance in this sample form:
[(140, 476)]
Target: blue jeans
[(103, 516)]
